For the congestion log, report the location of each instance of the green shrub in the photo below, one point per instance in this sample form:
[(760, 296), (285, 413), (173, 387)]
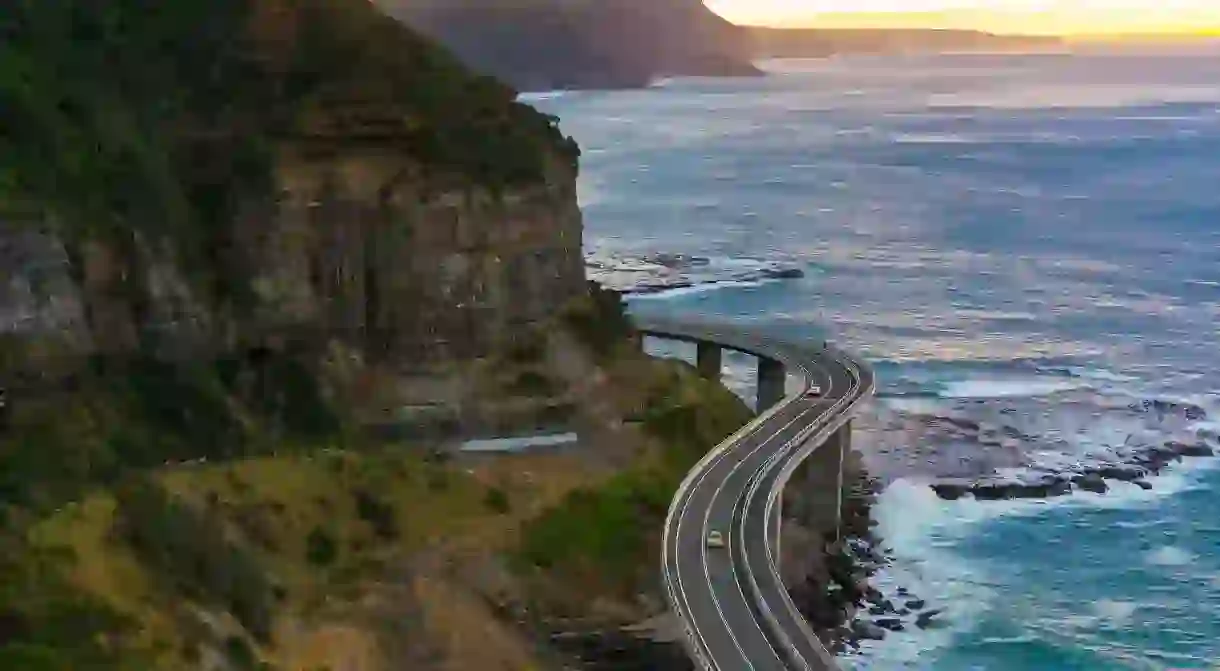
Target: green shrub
[(497, 501), (436, 478), (378, 514), (615, 526), (526, 351), (320, 547), (239, 653), (600, 322), (532, 383), (45, 623), (189, 550), (281, 390)]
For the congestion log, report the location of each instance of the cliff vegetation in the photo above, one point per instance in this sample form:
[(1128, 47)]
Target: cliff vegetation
[(242, 243), (368, 555)]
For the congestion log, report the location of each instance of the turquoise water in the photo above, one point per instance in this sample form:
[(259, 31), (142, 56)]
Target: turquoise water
[(1035, 235)]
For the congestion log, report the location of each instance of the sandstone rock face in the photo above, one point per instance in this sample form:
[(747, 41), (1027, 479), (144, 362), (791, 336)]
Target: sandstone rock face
[(37, 292), (318, 175), (361, 248)]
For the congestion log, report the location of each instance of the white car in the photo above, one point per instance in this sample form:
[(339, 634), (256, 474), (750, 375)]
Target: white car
[(715, 539), (814, 391)]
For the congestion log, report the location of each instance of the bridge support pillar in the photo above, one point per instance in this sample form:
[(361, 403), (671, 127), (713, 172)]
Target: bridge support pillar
[(771, 379), (708, 360), (823, 484), (637, 340)]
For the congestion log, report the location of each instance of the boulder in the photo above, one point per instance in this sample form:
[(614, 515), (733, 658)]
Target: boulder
[(1091, 482), (1121, 472), (994, 491), (890, 623), (1191, 449), (867, 631), (928, 619), (951, 490)]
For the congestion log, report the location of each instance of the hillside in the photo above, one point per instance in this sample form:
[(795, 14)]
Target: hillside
[(817, 43), (566, 44), (370, 558), (214, 177), (263, 265)]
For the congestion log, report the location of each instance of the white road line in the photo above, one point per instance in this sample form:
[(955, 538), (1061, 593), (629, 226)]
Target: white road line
[(696, 478), (765, 443)]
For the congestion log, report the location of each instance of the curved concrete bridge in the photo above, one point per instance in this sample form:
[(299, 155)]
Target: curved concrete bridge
[(731, 601)]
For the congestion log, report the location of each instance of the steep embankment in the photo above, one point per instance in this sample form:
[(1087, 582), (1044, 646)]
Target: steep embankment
[(267, 166), (817, 43), (235, 236), (381, 557), (235, 223), (539, 45)]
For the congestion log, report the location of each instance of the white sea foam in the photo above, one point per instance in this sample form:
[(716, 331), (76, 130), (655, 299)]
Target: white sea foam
[(919, 526), (681, 292), (934, 138), (537, 96), (1115, 612), (922, 530), (1099, 374), (1009, 388), (1169, 555)]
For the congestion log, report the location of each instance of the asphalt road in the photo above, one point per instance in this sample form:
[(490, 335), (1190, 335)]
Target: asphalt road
[(734, 607)]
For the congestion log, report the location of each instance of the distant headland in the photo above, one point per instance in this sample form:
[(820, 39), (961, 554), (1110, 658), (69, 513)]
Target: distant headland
[(543, 45)]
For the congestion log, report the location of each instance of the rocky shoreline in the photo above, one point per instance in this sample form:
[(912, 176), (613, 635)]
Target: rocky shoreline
[(987, 459), (838, 595), (657, 273), (1134, 467), (840, 603)]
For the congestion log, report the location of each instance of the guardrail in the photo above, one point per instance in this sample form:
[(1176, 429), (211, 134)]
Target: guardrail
[(837, 417), (828, 422), (689, 330)]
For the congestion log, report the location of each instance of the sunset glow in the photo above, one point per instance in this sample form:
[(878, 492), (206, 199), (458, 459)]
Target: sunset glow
[(1056, 17)]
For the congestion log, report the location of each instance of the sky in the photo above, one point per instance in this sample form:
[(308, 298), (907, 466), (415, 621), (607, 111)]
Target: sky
[(1057, 17)]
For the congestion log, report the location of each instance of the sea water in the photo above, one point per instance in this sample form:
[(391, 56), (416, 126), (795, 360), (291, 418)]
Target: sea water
[(1011, 228)]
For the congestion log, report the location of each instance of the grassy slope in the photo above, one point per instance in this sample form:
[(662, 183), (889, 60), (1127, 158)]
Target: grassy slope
[(602, 542), (126, 117), (270, 507), (581, 541)]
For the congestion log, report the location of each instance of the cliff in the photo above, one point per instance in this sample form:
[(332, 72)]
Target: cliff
[(294, 170), (817, 43), (235, 235), (537, 45)]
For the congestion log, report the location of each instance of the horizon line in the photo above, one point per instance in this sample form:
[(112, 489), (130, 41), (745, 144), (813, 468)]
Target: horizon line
[(1192, 34), (1186, 25)]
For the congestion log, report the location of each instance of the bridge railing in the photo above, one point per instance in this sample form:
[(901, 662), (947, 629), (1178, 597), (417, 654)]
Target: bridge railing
[(691, 330), (805, 443), (831, 420)]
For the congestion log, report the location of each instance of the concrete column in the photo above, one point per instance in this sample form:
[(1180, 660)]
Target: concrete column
[(824, 483), (844, 436), (708, 360), (637, 340), (771, 378)]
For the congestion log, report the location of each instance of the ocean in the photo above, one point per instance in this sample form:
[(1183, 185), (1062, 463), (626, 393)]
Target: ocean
[(1029, 239)]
